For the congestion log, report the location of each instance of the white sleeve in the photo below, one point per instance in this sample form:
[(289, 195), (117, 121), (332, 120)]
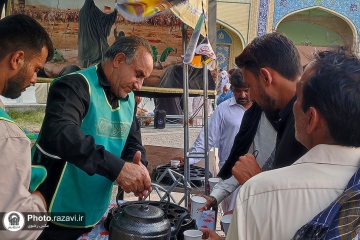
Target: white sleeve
[(224, 188), (238, 224), (15, 170), (215, 121)]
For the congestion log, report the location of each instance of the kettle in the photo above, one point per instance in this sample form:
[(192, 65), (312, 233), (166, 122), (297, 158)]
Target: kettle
[(140, 221)]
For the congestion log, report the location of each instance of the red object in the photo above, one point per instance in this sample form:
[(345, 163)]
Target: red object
[(154, 41), (107, 8), (69, 9), (33, 7)]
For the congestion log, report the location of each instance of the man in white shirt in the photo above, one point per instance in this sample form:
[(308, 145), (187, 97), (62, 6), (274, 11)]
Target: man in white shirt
[(224, 124), (275, 204)]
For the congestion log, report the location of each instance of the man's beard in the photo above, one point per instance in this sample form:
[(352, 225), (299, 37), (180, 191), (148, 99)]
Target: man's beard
[(15, 84), (267, 104)]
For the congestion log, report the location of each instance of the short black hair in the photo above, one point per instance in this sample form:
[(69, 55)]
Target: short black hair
[(272, 50), (237, 79), (21, 32), (334, 90), (231, 71)]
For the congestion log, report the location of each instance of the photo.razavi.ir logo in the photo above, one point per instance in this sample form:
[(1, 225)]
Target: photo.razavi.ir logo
[(13, 221)]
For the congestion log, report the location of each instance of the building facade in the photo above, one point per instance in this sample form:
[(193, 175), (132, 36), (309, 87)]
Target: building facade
[(310, 24)]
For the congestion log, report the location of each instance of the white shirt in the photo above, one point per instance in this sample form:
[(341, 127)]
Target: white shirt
[(15, 171), (224, 124), (275, 204), (264, 142), (223, 82)]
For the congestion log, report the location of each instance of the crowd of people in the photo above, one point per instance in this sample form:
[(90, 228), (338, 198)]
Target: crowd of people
[(302, 183), (314, 164)]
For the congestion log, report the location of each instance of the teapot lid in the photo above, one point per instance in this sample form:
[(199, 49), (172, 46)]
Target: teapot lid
[(144, 211)]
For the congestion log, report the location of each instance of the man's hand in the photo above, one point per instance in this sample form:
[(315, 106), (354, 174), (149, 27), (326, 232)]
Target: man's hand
[(245, 168), (38, 193), (181, 159), (210, 235), (209, 202), (227, 213), (225, 89), (134, 177)]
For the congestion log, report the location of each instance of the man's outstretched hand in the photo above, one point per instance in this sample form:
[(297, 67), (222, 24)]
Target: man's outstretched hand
[(134, 177)]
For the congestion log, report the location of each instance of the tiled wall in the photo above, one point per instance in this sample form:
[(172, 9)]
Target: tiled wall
[(348, 8)]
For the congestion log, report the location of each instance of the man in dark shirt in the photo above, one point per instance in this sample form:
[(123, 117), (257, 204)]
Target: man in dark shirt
[(271, 66), (90, 134)]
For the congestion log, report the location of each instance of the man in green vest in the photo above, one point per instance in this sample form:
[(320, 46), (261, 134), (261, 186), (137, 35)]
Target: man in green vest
[(25, 46), (90, 137)]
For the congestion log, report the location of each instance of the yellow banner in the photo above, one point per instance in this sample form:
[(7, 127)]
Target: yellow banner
[(139, 10), (190, 11)]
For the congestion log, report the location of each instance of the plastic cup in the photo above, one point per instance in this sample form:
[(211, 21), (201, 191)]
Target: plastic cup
[(197, 202), (193, 235), (174, 163), (213, 182), (225, 220)]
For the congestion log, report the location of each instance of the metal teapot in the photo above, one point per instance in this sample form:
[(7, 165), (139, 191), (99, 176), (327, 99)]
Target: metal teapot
[(140, 221)]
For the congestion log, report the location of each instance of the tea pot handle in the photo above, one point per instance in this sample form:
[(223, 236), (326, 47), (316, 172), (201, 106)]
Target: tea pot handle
[(153, 185), (167, 194)]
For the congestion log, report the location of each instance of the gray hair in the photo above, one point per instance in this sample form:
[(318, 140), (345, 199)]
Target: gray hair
[(128, 46)]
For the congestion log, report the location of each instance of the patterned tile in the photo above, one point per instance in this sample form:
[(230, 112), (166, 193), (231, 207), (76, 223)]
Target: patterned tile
[(347, 8), (283, 3), (263, 16), (353, 7)]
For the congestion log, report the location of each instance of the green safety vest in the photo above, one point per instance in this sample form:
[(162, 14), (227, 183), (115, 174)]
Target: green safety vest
[(38, 173), (76, 191)]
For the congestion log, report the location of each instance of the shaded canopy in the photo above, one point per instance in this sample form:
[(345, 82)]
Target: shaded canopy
[(173, 78)]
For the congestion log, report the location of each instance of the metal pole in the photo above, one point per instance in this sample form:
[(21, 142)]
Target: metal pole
[(186, 114), (206, 128)]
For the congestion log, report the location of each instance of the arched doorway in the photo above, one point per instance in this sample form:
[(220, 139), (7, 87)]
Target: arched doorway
[(317, 29)]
